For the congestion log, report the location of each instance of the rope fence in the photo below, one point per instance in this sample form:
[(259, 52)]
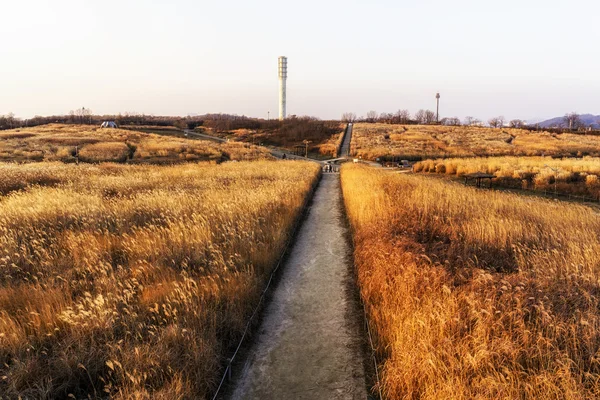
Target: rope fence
[(549, 193), (373, 351)]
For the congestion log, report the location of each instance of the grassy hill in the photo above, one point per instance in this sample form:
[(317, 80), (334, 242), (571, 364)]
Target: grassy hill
[(586, 119), (370, 141), (66, 143), (323, 137)]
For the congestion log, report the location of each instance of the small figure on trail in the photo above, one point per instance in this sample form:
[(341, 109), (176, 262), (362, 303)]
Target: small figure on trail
[(283, 157)]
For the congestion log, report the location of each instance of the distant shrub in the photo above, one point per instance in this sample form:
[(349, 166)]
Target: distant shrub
[(592, 181), (105, 152)]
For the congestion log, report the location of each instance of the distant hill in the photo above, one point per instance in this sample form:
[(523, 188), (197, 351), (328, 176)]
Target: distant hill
[(587, 119)]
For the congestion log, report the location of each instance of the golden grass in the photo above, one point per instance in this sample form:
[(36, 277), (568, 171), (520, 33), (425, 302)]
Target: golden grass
[(331, 145), (56, 142), (134, 281), (571, 175), (473, 294), (322, 143), (370, 141)]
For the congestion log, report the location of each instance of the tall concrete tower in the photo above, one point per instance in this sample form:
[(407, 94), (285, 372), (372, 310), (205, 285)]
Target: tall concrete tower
[(282, 86)]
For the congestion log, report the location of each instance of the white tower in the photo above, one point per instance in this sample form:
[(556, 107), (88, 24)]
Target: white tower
[(282, 86)]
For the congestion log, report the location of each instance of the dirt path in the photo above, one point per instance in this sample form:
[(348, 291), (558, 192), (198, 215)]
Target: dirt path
[(309, 345)]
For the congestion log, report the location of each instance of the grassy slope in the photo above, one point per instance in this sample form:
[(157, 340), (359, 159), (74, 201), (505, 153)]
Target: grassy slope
[(476, 294), (580, 176), (324, 138), (133, 281), (55, 142), (427, 141)]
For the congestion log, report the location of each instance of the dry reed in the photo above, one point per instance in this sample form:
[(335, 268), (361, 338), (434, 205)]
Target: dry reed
[(134, 281), (473, 294), (56, 142), (418, 142), (569, 175)]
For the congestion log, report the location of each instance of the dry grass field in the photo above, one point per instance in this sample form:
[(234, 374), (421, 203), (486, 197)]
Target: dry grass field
[(476, 294), (133, 282), (580, 176), (324, 137), (55, 142), (417, 142)]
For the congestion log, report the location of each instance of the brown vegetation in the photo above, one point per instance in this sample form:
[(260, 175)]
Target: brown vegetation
[(323, 136), (134, 281), (476, 294), (57, 142), (579, 176), (417, 142)]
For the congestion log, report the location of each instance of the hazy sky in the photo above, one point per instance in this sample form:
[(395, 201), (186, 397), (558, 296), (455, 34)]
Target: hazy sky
[(517, 58)]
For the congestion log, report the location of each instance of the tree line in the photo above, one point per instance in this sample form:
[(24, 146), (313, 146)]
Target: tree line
[(85, 116), (570, 122), (228, 122)]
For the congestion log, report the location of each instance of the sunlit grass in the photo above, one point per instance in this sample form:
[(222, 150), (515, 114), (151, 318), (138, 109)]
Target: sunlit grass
[(370, 141), (134, 281), (476, 294), (569, 175), (57, 142)]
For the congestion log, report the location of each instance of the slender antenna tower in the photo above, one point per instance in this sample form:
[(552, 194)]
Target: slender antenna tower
[(282, 86)]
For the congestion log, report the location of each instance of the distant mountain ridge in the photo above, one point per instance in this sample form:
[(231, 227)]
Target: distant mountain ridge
[(586, 119)]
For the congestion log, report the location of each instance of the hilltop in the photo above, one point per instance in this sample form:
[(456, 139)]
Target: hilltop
[(587, 119), (66, 143), (416, 142)]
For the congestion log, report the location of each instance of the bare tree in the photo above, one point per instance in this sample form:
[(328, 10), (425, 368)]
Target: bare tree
[(425, 116), (387, 118), (402, 116), (493, 122), (372, 116), (349, 117), (573, 121), (10, 119), (452, 121), (471, 121), (429, 117), (496, 122), (82, 115), (516, 123)]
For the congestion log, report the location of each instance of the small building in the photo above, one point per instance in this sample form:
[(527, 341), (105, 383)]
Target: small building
[(109, 124)]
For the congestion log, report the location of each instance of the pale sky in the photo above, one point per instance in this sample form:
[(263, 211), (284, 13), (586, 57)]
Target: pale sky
[(518, 58)]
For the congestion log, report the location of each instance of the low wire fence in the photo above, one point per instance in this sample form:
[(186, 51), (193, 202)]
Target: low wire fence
[(552, 194)]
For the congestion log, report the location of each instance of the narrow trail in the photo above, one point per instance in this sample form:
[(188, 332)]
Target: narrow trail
[(345, 150), (309, 344)]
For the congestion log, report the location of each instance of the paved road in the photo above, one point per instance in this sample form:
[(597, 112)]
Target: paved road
[(309, 343), (345, 150), (204, 136)]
